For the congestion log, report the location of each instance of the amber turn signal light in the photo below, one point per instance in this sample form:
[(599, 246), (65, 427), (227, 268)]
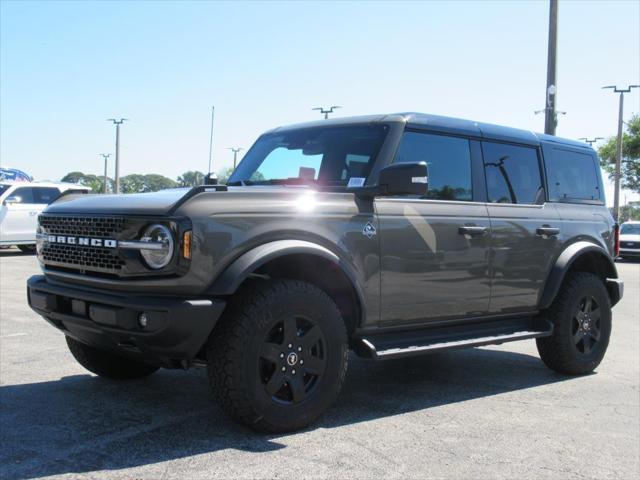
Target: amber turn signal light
[(186, 245)]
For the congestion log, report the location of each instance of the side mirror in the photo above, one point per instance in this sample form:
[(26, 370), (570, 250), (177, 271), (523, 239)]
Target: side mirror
[(398, 179), (11, 200)]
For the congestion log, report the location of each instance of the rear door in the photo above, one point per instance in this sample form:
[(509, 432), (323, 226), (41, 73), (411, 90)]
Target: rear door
[(524, 226), (434, 249)]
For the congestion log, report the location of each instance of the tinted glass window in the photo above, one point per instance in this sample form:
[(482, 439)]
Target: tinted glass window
[(4, 188), (630, 229), (24, 193), (45, 194), (513, 174), (571, 175), (448, 160)]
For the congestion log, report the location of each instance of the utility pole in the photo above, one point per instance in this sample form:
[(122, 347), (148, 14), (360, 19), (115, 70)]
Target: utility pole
[(616, 193), (117, 123), (327, 111), (235, 154), (550, 117), (213, 111), (591, 141), (105, 156)]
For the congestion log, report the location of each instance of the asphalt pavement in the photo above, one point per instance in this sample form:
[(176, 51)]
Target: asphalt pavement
[(494, 412)]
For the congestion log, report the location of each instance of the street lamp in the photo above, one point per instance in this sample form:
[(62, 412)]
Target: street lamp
[(117, 123), (235, 151), (616, 192), (591, 141), (327, 111), (105, 156)]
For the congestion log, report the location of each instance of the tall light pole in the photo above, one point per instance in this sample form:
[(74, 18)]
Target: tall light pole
[(213, 111), (591, 141), (105, 156), (117, 123), (616, 178), (550, 117), (327, 111), (235, 151)]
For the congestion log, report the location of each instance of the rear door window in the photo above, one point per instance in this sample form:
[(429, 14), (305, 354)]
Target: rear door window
[(512, 173), (45, 194), (571, 175)]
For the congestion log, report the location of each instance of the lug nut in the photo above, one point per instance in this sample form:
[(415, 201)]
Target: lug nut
[(299, 349), (290, 345), (281, 355), (301, 362), (293, 372), (284, 369)]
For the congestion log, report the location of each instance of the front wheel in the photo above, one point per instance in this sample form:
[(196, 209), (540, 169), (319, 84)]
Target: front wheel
[(278, 358), (581, 315), (107, 364)]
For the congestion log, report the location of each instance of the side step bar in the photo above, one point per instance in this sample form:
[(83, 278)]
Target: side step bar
[(429, 340)]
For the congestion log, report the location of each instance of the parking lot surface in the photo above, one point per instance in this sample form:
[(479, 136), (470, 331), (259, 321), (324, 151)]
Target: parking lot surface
[(494, 412)]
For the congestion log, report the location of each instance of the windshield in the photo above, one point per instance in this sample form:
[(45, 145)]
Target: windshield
[(324, 156), (630, 229)]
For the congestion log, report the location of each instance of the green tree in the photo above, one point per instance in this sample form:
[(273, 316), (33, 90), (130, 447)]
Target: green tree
[(88, 180), (630, 167), (224, 174), (191, 178), (136, 183)]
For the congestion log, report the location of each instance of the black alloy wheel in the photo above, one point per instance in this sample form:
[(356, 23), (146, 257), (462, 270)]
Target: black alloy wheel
[(292, 359), (586, 325)]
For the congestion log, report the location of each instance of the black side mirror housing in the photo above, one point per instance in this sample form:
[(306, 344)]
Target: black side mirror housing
[(398, 179)]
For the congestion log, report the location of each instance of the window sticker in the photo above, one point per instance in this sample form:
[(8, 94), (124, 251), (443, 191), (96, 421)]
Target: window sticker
[(355, 182)]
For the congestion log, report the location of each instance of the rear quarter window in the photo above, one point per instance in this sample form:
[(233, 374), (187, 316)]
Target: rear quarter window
[(571, 175)]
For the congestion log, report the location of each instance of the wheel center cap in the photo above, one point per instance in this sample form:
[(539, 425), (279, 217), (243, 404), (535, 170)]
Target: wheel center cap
[(292, 359)]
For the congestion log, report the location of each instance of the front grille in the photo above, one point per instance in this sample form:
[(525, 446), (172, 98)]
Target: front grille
[(82, 257), (105, 227), (78, 257)]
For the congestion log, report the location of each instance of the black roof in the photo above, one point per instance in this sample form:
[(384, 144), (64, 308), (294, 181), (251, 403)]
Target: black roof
[(448, 125)]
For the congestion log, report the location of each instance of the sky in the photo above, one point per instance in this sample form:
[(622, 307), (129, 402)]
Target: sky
[(65, 67)]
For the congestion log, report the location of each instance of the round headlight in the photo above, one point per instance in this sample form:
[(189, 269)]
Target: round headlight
[(160, 255)]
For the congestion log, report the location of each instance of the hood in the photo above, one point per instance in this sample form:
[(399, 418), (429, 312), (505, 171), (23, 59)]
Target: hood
[(153, 203), (236, 199)]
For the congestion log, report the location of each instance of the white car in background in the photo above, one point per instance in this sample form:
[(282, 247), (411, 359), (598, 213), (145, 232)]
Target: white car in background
[(20, 205), (630, 239)]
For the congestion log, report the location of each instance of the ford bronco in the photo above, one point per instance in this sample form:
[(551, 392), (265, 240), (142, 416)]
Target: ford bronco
[(390, 235)]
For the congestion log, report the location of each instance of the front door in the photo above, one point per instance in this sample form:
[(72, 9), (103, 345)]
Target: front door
[(20, 216), (434, 249)]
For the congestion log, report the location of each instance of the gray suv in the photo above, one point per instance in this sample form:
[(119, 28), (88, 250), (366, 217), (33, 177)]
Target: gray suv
[(389, 235)]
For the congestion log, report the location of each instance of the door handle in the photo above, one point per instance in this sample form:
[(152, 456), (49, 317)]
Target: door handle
[(547, 231), (472, 230)]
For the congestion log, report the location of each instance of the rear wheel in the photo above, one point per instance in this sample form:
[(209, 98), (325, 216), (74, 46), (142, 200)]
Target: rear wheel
[(278, 358), (107, 364), (581, 314)]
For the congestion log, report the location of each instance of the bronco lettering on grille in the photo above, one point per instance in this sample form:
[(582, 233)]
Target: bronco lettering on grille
[(84, 241)]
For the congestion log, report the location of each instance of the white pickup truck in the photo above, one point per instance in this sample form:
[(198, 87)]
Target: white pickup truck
[(20, 205)]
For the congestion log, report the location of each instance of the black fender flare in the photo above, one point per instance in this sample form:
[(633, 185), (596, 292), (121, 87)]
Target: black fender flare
[(564, 262), (237, 272)]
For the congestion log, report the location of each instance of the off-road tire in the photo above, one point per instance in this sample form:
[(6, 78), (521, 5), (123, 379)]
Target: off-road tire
[(234, 355), (27, 248), (559, 351), (107, 364)]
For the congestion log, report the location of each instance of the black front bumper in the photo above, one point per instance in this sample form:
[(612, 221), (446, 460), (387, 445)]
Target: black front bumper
[(175, 332)]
